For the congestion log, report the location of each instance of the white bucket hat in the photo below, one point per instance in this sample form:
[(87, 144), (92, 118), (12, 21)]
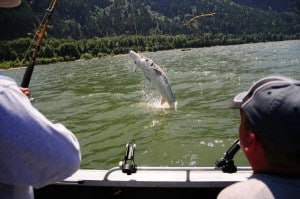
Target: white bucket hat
[(9, 3)]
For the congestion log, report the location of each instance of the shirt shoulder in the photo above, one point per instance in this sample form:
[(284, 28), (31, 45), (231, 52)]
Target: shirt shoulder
[(6, 81), (263, 186), (251, 188)]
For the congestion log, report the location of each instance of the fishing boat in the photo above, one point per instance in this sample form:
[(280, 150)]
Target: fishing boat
[(174, 182), (130, 181)]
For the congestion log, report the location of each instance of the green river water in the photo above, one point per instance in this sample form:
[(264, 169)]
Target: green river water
[(106, 104)]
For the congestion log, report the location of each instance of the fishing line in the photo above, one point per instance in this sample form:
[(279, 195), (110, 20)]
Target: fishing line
[(198, 17), (135, 26)]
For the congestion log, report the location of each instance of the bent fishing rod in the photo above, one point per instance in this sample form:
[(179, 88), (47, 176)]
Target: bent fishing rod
[(40, 34)]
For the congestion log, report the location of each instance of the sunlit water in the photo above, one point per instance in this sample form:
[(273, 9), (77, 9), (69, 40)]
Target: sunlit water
[(107, 105)]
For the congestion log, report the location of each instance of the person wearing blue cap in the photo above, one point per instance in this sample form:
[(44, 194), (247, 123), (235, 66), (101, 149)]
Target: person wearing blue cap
[(269, 135), (34, 152)]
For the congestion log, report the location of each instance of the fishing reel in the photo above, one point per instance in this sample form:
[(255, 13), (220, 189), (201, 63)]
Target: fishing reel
[(226, 163), (128, 166)]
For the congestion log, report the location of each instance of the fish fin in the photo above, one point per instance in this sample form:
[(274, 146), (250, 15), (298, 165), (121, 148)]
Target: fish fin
[(148, 79), (158, 72)]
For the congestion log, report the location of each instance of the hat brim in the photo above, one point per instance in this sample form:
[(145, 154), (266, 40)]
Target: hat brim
[(242, 97), (9, 3), (237, 101)]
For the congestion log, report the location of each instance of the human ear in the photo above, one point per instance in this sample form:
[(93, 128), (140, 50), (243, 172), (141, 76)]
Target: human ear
[(249, 141)]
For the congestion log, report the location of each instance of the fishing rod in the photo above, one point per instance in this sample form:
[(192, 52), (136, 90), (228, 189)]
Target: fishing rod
[(40, 36)]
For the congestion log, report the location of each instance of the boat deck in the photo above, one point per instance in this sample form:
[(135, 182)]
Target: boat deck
[(174, 182)]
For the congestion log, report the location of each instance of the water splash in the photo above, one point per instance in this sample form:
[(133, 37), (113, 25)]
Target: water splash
[(152, 99)]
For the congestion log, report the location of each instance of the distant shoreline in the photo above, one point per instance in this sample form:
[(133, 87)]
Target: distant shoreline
[(64, 50)]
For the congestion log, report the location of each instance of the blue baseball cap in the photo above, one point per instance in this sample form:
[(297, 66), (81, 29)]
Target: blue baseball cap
[(272, 105)]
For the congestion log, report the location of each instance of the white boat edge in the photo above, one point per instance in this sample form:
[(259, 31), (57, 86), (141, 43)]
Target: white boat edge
[(159, 177), (146, 182)]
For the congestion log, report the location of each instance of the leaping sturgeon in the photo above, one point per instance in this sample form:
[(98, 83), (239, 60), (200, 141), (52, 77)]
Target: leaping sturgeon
[(156, 76)]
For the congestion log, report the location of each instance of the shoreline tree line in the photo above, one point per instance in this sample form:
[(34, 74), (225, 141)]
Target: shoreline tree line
[(16, 53)]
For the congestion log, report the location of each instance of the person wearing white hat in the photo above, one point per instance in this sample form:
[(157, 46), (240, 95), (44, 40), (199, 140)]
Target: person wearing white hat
[(9, 3), (34, 152)]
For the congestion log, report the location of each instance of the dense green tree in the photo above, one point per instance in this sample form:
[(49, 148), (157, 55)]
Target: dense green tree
[(69, 51), (80, 19), (96, 28)]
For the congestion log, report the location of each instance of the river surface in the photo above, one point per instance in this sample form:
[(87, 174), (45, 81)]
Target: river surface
[(107, 105)]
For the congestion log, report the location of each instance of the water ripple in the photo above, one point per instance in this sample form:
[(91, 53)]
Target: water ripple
[(107, 105)]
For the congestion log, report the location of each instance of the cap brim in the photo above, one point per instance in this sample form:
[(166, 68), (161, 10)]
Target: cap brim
[(9, 3), (237, 101)]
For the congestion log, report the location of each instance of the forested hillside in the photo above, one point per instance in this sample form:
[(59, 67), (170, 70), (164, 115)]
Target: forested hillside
[(96, 28), (81, 19)]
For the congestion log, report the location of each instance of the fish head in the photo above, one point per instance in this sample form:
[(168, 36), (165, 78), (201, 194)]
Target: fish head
[(141, 60), (134, 55), (146, 64)]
